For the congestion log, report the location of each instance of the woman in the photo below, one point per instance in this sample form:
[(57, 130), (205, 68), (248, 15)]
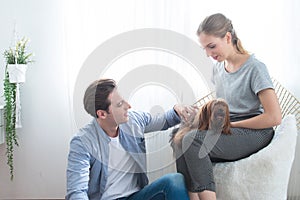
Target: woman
[(244, 82)]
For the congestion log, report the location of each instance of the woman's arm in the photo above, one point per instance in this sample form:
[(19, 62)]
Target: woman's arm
[(271, 116)]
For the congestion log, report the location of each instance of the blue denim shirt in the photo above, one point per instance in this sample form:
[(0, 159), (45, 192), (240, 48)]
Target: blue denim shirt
[(88, 158)]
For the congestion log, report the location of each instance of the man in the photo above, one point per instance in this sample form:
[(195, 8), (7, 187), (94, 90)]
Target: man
[(107, 158)]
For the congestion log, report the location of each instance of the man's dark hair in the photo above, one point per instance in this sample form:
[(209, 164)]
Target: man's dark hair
[(96, 96)]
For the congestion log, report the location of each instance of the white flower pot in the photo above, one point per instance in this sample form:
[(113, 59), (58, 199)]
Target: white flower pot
[(16, 73)]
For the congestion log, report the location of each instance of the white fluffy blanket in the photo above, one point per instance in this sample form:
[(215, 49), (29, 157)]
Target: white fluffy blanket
[(265, 174)]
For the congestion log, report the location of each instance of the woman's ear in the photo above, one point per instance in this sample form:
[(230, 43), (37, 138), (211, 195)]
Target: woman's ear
[(228, 37)]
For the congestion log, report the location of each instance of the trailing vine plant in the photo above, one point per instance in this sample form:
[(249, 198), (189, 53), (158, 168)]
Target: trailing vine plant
[(10, 121), (16, 55)]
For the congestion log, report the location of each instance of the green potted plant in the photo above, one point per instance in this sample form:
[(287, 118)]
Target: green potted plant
[(16, 59)]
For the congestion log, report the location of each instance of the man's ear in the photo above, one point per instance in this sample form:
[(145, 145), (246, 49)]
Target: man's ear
[(101, 114)]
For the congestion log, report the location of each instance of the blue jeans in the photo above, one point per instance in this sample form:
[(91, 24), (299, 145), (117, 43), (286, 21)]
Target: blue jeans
[(168, 187)]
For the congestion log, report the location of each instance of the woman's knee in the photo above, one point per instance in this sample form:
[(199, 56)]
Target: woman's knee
[(192, 140)]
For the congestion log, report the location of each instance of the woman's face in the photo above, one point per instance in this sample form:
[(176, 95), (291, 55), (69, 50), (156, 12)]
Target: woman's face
[(215, 47)]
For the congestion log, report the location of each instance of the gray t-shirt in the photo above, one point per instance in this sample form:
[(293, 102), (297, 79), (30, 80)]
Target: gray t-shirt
[(240, 88)]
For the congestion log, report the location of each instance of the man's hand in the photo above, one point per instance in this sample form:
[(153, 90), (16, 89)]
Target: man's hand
[(186, 112)]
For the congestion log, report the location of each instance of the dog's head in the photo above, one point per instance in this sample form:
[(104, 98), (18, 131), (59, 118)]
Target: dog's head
[(216, 109), (213, 111)]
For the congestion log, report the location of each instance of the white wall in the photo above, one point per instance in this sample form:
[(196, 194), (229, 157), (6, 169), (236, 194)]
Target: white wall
[(270, 29), (40, 160)]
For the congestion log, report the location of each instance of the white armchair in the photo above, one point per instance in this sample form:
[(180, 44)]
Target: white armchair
[(261, 176), (265, 174)]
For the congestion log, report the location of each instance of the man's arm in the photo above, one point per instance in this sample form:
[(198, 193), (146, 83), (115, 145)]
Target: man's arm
[(170, 118), (77, 171)]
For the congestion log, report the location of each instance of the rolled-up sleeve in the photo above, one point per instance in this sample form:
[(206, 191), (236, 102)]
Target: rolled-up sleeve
[(77, 170)]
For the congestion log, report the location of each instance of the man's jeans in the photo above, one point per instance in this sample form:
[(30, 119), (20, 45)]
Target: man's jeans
[(168, 187)]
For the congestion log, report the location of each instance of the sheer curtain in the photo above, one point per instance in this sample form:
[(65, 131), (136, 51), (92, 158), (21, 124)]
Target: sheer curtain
[(149, 47), (89, 25), (156, 76)]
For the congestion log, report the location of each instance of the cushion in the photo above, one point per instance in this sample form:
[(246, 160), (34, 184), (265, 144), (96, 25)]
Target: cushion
[(263, 175)]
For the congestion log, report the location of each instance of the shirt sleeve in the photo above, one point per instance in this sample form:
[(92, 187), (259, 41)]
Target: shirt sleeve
[(161, 121), (77, 171), (260, 78)]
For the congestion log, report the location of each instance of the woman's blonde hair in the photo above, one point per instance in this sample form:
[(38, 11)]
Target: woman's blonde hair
[(218, 25)]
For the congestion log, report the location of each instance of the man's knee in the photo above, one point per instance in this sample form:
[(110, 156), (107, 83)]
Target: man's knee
[(174, 179), (176, 188)]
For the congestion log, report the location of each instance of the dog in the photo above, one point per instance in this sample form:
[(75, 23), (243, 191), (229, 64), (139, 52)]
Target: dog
[(213, 115)]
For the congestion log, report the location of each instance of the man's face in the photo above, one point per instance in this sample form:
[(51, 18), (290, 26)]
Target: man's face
[(118, 108)]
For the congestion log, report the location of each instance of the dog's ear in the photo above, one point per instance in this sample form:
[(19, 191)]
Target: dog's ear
[(226, 128), (204, 116), (177, 139), (174, 131), (195, 122), (172, 135)]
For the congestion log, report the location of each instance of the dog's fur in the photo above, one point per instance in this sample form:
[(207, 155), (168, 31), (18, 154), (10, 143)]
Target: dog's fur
[(203, 121)]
